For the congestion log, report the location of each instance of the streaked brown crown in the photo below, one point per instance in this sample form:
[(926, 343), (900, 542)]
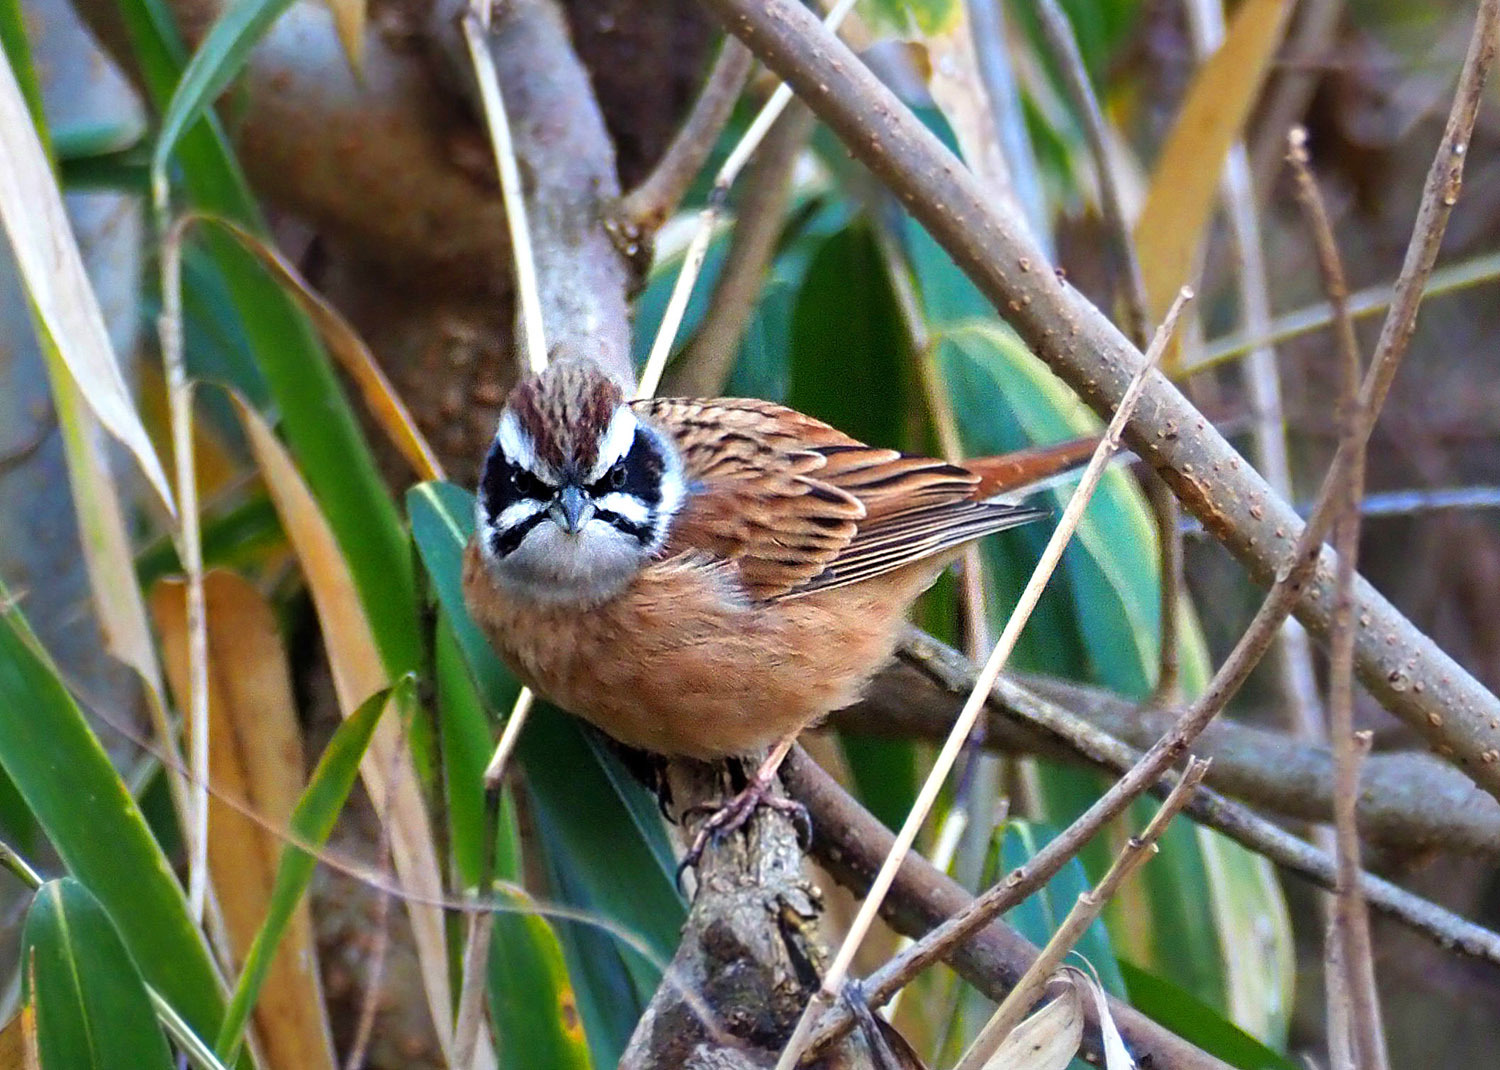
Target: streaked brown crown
[(565, 411)]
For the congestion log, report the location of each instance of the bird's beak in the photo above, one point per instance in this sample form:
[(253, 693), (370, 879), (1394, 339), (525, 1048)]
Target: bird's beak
[(571, 509)]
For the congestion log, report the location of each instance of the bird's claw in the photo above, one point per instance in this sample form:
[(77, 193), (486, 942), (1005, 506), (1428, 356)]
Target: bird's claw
[(733, 813)]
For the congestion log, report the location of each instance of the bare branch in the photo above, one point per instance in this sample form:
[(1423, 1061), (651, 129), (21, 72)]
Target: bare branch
[(1083, 914), (1404, 669), (1211, 809), (568, 173), (850, 844), (1353, 975), (644, 209), (1408, 802)]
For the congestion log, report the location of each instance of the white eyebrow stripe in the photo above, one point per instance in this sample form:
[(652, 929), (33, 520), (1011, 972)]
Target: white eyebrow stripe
[(626, 505), (514, 442), (616, 443), (518, 513)]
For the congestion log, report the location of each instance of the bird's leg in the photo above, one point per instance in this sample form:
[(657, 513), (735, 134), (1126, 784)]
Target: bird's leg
[(734, 812)]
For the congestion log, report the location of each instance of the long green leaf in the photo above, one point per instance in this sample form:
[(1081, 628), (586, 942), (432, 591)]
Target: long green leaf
[(311, 823), (532, 1004), (219, 59), (92, 1009), (91, 819), (316, 418)]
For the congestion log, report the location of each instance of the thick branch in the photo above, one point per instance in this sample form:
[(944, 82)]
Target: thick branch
[(1400, 666), (1241, 825), (1407, 801), (567, 165), (851, 844)]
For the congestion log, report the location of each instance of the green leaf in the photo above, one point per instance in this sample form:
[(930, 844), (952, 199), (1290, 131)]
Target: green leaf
[(1197, 1022), (219, 59), (316, 418), (532, 1004), (81, 804), (311, 823), (92, 1009)]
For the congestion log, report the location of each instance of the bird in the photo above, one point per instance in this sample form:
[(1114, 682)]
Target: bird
[(706, 578)]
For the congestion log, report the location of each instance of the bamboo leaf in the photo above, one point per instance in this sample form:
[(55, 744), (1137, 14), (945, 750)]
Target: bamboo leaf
[(92, 1009), (51, 266), (255, 760), (358, 671), (532, 1003), (380, 397), (55, 761), (310, 825), (219, 59)]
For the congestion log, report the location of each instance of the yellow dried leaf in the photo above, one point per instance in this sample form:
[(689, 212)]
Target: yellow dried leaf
[(255, 758), (357, 674), (1181, 197)]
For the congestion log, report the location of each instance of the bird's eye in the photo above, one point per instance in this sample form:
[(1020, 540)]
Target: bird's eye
[(528, 485), (615, 477)]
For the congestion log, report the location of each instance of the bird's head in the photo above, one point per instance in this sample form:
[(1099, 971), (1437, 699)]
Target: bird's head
[(576, 493)]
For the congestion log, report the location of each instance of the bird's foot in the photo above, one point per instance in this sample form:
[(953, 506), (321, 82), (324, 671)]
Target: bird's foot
[(733, 813)]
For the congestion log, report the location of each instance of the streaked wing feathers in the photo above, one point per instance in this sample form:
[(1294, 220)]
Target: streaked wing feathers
[(802, 507)]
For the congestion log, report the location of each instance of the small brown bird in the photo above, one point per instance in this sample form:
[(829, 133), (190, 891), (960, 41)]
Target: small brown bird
[(705, 578)]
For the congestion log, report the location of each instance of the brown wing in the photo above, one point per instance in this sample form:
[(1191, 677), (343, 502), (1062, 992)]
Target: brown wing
[(802, 507)]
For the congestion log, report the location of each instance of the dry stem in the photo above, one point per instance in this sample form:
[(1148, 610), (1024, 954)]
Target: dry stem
[(833, 979), (1088, 907), (1350, 959), (646, 208)]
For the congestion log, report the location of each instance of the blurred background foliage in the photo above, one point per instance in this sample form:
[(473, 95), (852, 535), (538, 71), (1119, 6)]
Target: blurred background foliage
[(340, 562)]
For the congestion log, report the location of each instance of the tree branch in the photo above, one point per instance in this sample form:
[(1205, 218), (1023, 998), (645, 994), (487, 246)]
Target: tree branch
[(1399, 665), (567, 165), (1237, 822), (851, 844), (644, 209), (1408, 802)]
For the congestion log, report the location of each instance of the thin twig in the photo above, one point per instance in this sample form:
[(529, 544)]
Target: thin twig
[(189, 549), (850, 843), (22, 869), (1099, 747), (1401, 667), (645, 208), (692, 261), (759, 218), (1087, 908), (494, 772), (833, 979), (1453, 278), (469, 1022), (1439, 195), (1354, 957), (476, 24)]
